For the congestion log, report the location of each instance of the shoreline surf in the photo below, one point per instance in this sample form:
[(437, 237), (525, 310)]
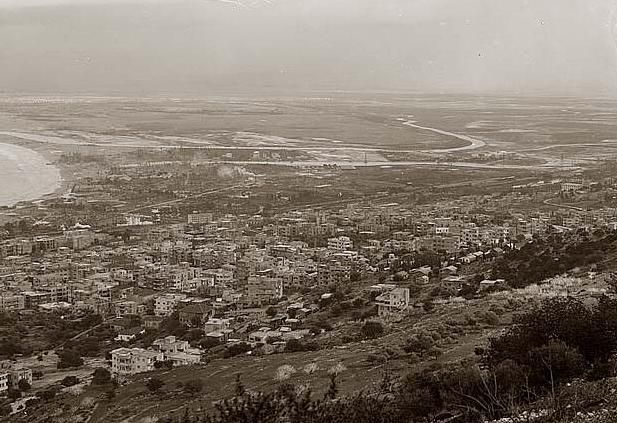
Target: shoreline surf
[(25, 175)]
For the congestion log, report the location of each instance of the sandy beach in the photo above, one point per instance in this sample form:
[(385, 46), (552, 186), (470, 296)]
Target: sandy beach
[(25, 175)]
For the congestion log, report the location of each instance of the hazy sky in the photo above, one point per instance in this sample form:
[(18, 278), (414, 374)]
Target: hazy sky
[(278, 46)]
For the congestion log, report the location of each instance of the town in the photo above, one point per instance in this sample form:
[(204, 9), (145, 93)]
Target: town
[(198, 278)]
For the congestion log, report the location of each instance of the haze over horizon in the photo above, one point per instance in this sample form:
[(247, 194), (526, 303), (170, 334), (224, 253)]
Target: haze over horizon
[(149, 47)]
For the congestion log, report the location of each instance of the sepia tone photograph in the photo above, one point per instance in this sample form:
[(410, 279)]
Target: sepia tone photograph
[(308, 211)]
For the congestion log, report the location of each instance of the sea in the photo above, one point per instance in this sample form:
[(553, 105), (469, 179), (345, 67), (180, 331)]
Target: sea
[(25, 175)]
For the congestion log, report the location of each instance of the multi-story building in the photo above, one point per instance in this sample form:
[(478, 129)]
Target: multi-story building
[(179, 352), (130, 361), (263, 289), (199, 218), (341, 243), (4, 381), (14, 374), (12, 302), (393, 302), (165, 305)]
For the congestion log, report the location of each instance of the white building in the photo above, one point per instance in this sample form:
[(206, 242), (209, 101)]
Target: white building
[(341, 243), (4, 382), (199, 218), (130, 361), (179, 352)]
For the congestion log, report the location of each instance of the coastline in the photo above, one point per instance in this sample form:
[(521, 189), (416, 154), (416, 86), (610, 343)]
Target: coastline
[(27, 175)]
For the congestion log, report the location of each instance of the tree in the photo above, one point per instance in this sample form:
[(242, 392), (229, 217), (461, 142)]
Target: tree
[(372, 329), (23, 385), (271, 311), (154, 384), (69, 358), (46, 395), (193, 386), (209, 342), (554, 363), (70, 381), (101, 376), (239, 389), (236, 349), (14, 394), (165, 364), (332, 391)]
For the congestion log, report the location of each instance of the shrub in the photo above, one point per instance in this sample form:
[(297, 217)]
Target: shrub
[(69, 358), (311, 368), (372, 329), (236, 349), (193, 386), (23, 385), (207, 343), (101, 376), (154, 384), (166, 364), (14, 394), (70, 381), (284, 372), (295, 345), (46, 395)]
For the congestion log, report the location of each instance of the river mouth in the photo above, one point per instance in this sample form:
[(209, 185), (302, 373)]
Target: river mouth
[(25, 175)]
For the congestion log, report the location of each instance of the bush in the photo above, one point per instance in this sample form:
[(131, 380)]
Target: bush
[(207, 343), (23, 385), (295, 345), (284, 372), (46, 395), (14, 394), (166, 364), (101, 376), (70, 381), (491, 318), (193, 386), (236, 349), (372, 329), (32, 402), (154, 384), (419, 344), (69, 358)]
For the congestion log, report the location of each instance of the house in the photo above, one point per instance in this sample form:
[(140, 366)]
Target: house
[(487, 283), (194, 315), (392, 302), (449, 271), (169, 344), (120, 324), (130, 361), (262, 335), (128, 335), (216, 324), (177, 351), (152, 322), (184, 358), (18, 374), (454, 282), (220, 335), (420, 275), (14, 375), (4, 381), (263, 289), (165, 305), (125, 308), (341, 243)]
